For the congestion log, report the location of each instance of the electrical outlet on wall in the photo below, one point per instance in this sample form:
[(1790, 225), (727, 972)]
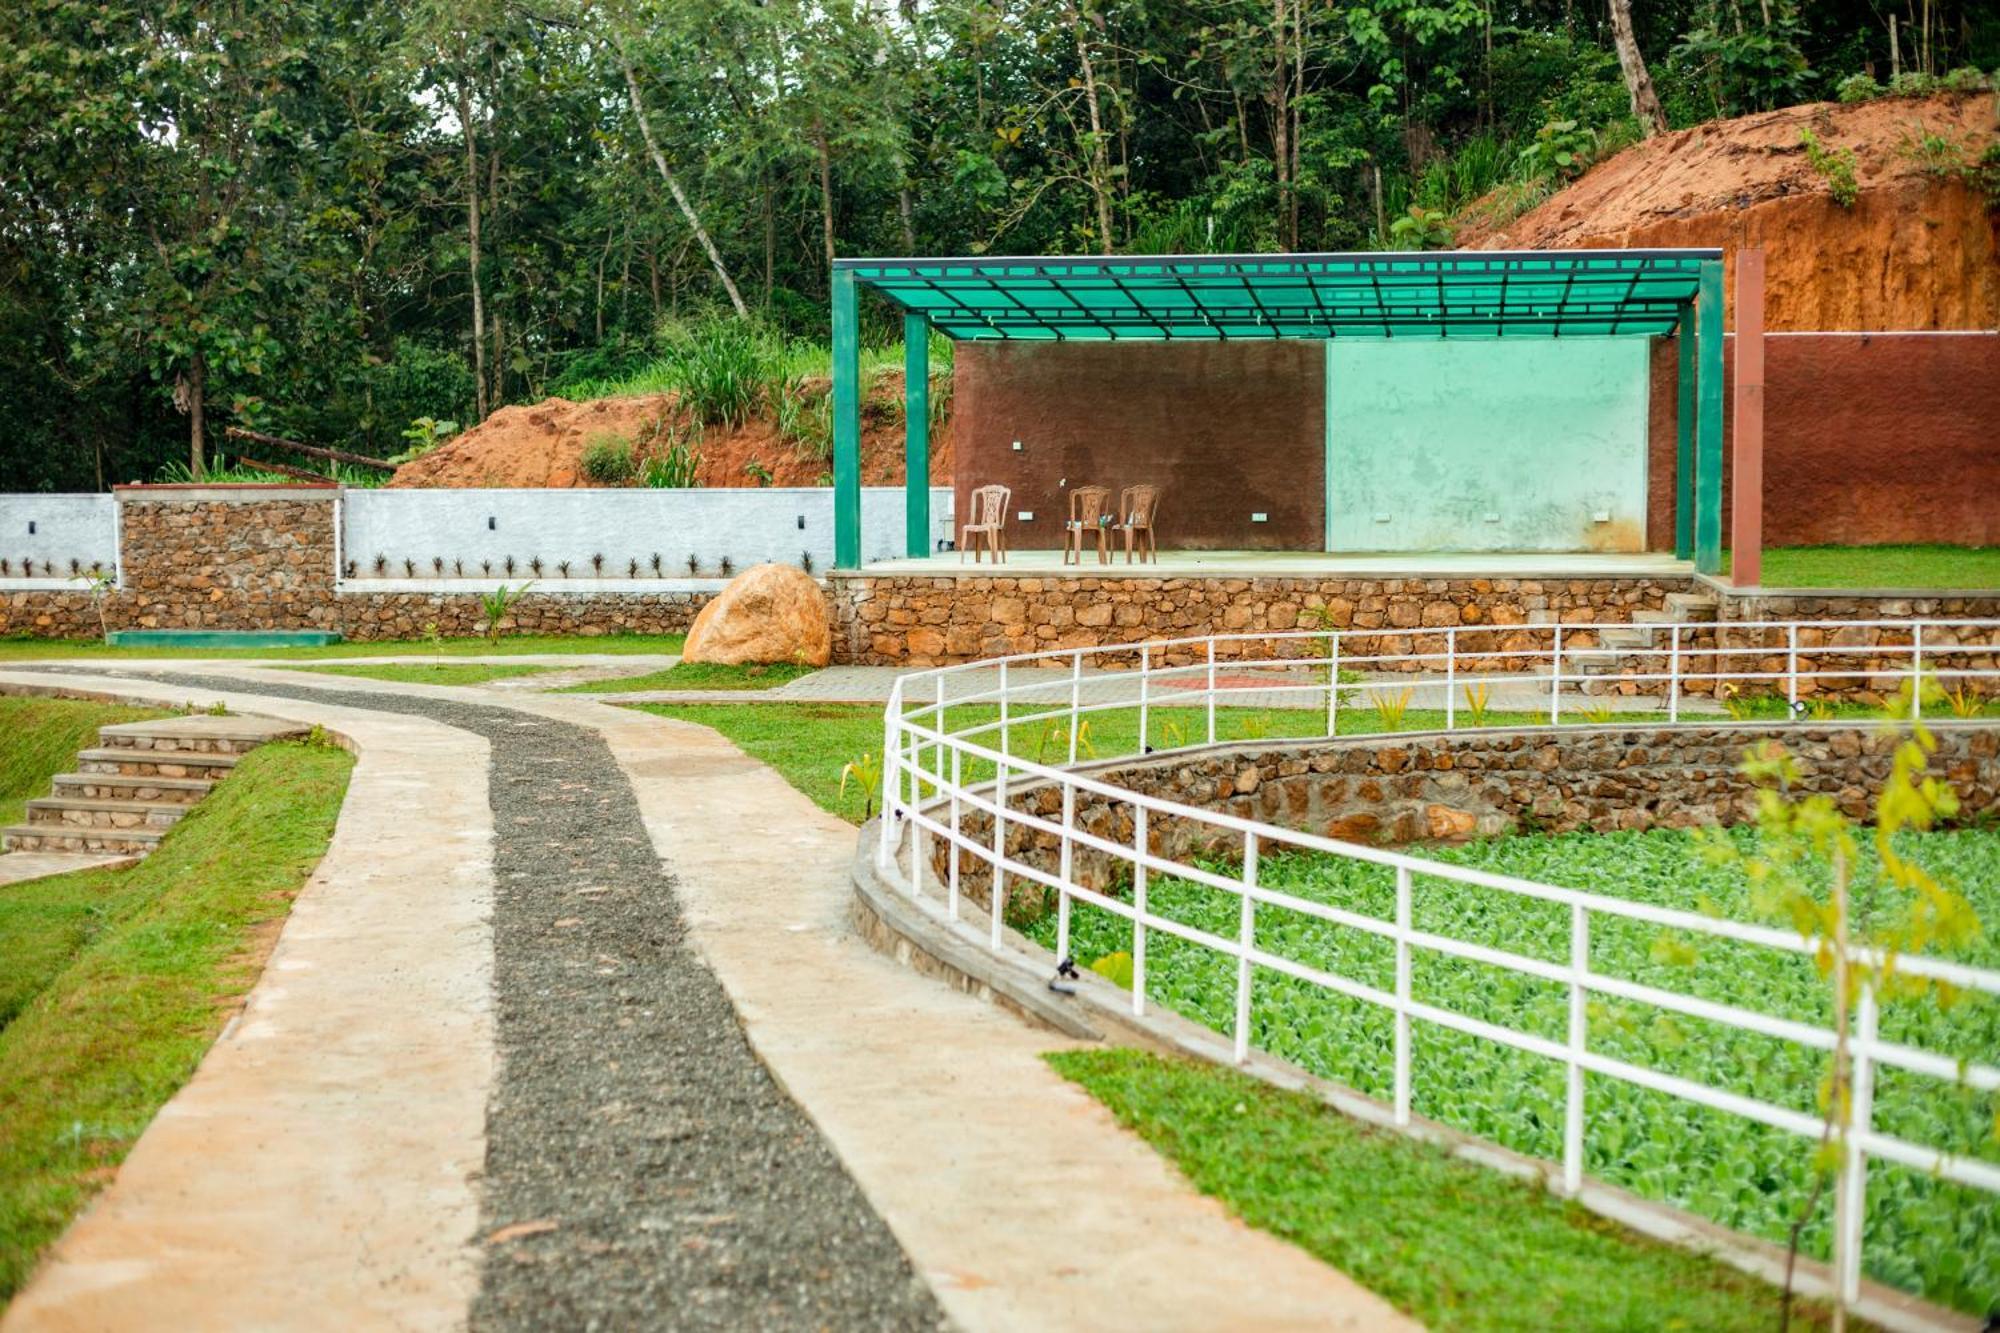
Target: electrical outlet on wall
[(1017, 446), (1601, 516), (1260, 518), (1025, 516)]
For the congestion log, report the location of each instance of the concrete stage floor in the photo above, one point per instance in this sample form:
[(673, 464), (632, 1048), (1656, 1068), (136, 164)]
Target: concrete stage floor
[(1308, 564)]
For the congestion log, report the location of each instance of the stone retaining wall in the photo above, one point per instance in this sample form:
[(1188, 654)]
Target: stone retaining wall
[(913, 620), (1449, 786)]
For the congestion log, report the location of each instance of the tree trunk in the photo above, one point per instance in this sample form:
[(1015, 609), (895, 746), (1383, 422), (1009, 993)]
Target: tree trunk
[(1645, 102), (825, 188), (198, 415), (674, 188), (1100, 167), (1281, 123), (472, 251)]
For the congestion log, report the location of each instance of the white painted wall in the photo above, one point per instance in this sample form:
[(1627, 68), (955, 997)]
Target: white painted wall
[(748, 525), (83, 528)]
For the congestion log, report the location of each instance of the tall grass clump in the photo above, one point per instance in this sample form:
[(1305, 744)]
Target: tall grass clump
[(607, 460)]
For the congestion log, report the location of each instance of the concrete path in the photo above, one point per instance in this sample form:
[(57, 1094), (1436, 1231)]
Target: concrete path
[(319, 1170), (18, 867), (1016, 1195)]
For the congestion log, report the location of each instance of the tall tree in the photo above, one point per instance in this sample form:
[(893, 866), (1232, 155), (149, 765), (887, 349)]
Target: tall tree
[(1645, 101)]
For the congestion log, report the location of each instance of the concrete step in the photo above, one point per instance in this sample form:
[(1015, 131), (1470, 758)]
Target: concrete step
[(1692, 606), (116, 787), (199, 734), (73, 812), (96, 841), (129, 762)]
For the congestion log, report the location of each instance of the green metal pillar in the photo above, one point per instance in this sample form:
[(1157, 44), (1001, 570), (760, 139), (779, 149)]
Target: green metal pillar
[(1708, 420), (916, 435), (1684, 437), (846, 423)]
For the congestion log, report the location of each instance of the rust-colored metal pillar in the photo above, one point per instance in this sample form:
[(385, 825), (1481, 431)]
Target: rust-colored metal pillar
[(1746, 447)]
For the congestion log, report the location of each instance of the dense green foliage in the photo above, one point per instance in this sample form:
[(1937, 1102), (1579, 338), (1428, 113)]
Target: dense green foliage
[(331, 218), (1460, 1246), (118, 980), (1938, 1239)]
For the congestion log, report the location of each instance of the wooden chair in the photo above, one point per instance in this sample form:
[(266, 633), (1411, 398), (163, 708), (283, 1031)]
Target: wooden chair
[(1136, 507), (988, 513), (1088, 516)]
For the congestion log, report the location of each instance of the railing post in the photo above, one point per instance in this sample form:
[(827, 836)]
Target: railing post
[(1145, 697), (1792, 664), (1402, 1074), (1851, 1200), (957, 833), (1674, 674), (1005, 726), (1450, 675), (1066, 862), (1556, 678), (1075, 701), (1246, 940), (1139, 910), (892, 781), (937, 747), (999, 891), (1211, 689), (1917, 670), (1579, 967), (1333, 687)]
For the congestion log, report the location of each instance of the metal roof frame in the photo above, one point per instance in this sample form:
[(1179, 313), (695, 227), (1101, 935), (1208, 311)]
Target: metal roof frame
[(1379, 294)]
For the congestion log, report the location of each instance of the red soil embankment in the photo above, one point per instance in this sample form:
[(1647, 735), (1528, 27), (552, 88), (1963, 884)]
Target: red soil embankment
[(1918, 249)]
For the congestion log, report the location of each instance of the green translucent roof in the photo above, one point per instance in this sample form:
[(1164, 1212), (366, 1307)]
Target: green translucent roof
[(1423, 294)]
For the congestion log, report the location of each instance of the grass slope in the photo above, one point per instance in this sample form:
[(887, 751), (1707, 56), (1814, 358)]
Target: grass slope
[(1921, 1234), (36, 650), (42, 738), (117, 981), (1457, 1245)]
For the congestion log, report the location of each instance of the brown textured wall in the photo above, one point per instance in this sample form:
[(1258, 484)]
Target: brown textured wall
[(1223, 429), (1868, 438)]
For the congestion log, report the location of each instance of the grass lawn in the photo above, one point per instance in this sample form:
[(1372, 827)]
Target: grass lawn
[(42, 738), (117, 981), (700, 676), (1921, 1235), (429, 673), (35, 650), (1457, 1245), (1879, 567)]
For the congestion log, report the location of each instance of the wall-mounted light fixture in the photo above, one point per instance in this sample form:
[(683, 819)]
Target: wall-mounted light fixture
[(802, 522), (492, 523)]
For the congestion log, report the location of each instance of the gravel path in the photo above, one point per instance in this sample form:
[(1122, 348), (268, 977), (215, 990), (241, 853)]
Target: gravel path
[(642, 1167)]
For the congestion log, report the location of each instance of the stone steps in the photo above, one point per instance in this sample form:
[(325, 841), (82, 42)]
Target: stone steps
[(137, 782), (120, 787), (1628, 650), (71, 811)]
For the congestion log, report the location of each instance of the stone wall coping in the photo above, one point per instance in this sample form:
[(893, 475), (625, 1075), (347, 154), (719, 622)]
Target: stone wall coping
[(1167, 569), (608, 586), (233, 493)]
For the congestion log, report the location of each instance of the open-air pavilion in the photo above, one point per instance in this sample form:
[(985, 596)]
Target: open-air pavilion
[(1414, 317)]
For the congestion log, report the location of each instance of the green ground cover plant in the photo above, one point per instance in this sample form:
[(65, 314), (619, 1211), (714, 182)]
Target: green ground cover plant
[(701, 676), (35, 650), (1457, 1245), (117, 981), (42, 738), (1880, 567), (1921, 1235), (430, 673)]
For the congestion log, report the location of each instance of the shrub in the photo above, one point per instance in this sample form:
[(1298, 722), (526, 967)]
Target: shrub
[(1836, 165), (1562, 148), (1858, 88), (1966, 79), (1421, 229), (606, 460)]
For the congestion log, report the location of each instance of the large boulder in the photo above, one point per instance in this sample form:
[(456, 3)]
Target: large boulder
[(768, 613)]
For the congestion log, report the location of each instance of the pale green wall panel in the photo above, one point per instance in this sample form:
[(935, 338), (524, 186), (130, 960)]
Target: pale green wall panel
[(1487, 444)]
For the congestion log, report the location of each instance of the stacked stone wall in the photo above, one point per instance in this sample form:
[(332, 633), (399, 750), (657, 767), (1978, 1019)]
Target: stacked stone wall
[(1450, 786), (897, 620)]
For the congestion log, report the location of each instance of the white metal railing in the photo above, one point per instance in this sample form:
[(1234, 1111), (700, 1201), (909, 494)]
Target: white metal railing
[(929, 789)]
